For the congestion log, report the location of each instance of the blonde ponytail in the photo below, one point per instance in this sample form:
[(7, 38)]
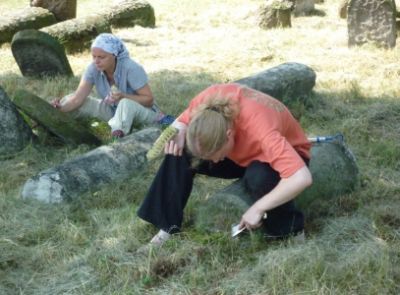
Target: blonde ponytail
[(207, 130)]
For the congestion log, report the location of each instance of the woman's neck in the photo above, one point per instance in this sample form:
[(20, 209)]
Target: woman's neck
[(110, 72)]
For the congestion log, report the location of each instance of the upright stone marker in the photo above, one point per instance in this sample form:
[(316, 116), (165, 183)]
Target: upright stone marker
[(303, 7), (38, 54), (372, 21), (15, 134)]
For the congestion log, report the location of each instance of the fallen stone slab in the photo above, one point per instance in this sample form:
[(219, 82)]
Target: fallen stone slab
[(103, 165), (288, 81), (39, 55), (15, 134), (28, 18), (63, 125), (334, 170), (77, 34), (130, 13)]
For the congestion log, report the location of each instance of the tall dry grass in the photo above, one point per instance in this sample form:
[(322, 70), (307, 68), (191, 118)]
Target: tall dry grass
[(89, 246)]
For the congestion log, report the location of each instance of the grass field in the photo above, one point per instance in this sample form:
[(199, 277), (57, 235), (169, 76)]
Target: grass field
[(88, 246)]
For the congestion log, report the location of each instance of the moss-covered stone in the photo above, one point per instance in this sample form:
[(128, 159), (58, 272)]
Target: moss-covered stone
[(77, 34), (28, 18), (39, 54), (61, 124), (15, 134), (334, 171), (129, 13)]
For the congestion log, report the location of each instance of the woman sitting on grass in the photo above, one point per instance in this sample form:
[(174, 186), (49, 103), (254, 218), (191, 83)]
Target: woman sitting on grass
[(121, 83), (236, 132)]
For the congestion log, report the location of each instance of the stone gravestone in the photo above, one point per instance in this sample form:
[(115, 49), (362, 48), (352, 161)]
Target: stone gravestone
[(39, 54), (343, 8), (372, 21), (303, 7), (28, 18), (62, 9), (63, 125), (275, 14), (334, 172), (15, 134), (288, 81), (104, 165)]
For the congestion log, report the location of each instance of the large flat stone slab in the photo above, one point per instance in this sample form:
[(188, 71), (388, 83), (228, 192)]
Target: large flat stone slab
[(78, 34), (61, 124), (103, 165), (290, 81), (24, 19), (39, 55), (334, 170)]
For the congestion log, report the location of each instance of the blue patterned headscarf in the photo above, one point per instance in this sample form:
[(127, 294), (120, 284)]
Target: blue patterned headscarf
[(111, 44)]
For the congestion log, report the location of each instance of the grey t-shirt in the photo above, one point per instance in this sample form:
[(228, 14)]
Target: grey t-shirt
[(129, 76)]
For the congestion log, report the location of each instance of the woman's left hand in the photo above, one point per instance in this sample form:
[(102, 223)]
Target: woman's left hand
[(116, 96)]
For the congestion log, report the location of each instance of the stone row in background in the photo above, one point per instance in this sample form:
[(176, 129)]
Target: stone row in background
[(76, 34), (368, 21), (27, 18)]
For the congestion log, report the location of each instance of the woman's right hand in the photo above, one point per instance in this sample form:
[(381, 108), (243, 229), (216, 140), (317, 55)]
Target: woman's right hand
[(175, 146), (56, 103)]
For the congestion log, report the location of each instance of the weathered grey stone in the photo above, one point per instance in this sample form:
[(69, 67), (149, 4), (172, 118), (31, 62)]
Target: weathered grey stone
[(334, 172), (15, 134), (77, 34), (372, 21), (287, 80), (303, 7), (62, 9), (64, 125), (39, 54), (129, 13), (343, 8), (106, 164), (28, 18), (275, 14)]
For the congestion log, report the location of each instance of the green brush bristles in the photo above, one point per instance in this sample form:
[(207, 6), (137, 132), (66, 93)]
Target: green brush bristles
[(158, 146)]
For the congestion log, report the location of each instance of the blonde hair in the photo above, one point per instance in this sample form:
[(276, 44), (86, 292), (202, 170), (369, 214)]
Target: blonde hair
[(209, 123)]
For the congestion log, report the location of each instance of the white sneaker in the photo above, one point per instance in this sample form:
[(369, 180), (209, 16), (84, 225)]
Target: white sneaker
[(156, 242), (160, 238)]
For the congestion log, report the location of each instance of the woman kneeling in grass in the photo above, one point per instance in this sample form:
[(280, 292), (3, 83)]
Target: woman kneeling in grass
[(236, 132)]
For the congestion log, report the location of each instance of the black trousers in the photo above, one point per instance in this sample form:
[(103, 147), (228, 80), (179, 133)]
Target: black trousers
[(166, 199)]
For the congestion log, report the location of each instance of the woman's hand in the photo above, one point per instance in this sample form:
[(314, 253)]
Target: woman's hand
[(175, 146), (252, 218), (116, 96), (56, 103)]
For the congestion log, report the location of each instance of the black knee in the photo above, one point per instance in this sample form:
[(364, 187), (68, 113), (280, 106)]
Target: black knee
[(259, 179)]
